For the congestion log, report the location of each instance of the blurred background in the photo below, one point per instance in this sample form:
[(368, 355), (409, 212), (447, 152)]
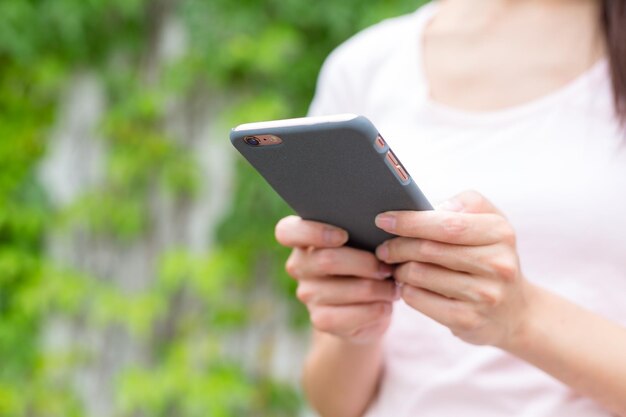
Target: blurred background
[(138, 271)]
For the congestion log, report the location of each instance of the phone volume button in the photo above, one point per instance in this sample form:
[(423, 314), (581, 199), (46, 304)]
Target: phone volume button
[(394, 165), (402, 173), (392, 158)]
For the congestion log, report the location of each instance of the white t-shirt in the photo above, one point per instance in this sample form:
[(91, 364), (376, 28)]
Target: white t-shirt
[(555, 166)]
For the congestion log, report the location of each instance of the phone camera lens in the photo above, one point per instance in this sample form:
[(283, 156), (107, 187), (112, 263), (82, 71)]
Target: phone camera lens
[(252, 141)]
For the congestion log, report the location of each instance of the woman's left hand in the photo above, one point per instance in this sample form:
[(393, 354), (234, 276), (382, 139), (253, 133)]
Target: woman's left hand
[(459, 265)]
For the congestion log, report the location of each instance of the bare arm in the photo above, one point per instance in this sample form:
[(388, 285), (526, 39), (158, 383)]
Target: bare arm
[(340, 378), (576, 346), (350, 303)]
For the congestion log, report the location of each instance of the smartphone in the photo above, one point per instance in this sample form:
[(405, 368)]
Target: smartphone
[(333, 169)]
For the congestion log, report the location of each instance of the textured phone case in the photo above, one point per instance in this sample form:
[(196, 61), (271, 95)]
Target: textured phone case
[(333, 172)]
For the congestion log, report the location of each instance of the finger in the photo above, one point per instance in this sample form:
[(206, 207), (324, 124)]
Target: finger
[(451, 313), (347, 319), (479, 260), (293, 231), (469, 202), (447, 226), (343, 261), (450, 284), (346, 290)]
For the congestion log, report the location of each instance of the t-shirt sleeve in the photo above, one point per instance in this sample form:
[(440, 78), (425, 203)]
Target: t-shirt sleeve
[(343, 85), (332, 94)]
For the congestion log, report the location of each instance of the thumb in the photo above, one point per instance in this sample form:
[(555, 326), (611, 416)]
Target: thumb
[(469, 202)]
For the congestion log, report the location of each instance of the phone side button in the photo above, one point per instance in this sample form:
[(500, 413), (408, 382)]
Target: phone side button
[(380, 144), (392, 158), (402, 173), (394, 165)]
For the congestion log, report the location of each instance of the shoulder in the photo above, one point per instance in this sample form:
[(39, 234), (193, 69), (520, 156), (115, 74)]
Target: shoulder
[(349, 72), (372, 45)]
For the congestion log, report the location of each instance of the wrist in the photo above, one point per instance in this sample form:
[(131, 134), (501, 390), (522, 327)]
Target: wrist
[(527, 326), (357, 343), (326, 342), (354, 368), (371, 335)]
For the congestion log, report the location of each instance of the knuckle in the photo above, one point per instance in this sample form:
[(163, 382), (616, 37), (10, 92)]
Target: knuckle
[(491, 296), (470, 199), (507, 234), (326, 260), (292, 266), (322, 321), (465, 322), (305, 293), (474, 196), (429, 249), (453, 225), (403, 272), (505, 268), (414, 271), (380, 309)]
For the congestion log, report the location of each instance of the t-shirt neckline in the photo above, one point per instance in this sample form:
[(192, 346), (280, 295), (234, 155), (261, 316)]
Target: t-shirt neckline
[(453, 114)]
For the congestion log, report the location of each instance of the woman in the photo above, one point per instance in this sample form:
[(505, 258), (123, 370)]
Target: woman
[(510, 299)]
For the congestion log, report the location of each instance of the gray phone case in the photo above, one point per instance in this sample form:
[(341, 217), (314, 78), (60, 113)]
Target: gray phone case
[(332, 170)]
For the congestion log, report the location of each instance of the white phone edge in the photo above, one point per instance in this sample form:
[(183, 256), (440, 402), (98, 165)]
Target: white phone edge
[(296, 122)]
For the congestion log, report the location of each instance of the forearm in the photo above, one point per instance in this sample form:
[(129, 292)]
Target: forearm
[(582, 349), (340, 379)]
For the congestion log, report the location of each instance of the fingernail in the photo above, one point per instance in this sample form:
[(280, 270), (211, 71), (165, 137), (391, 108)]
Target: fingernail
[(386, 222), (334, 236), (450, 205), (382, 252), (385, 271)]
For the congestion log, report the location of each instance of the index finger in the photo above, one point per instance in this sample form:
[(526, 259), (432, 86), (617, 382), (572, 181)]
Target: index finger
[(293, 231)]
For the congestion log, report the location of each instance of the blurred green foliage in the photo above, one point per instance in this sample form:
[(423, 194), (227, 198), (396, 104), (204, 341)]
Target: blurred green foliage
[(260, 58)]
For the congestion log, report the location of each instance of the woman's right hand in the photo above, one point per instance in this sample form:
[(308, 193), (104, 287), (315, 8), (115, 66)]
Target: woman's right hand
[(344, 289)]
